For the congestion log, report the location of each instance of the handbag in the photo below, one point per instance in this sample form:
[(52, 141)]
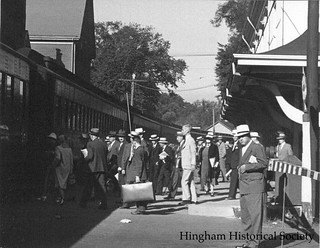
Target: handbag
[(137, 192)]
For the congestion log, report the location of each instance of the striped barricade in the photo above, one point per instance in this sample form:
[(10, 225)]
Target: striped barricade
[(285, 167)]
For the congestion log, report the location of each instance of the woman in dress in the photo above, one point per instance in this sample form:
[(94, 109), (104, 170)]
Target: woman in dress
[(63, 164), (209, 158)]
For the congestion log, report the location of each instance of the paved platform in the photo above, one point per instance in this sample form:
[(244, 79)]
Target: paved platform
[(44, 224)]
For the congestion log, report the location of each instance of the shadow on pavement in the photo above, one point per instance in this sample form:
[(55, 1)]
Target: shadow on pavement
[(46, 224)]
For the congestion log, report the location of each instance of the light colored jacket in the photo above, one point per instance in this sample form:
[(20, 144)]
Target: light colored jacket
[(188, 153)]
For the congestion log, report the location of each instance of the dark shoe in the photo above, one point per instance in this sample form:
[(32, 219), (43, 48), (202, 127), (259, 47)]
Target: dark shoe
[(183, 203), (195, 202), (212, 194), (168, 197), (230, 198), (124, 207), (138, 213)]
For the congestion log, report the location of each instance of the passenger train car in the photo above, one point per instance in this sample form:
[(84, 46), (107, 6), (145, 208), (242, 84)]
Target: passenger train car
[(38, 96)]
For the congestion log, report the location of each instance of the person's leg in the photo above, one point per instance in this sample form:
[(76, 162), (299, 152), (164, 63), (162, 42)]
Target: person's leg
[(194, 197), (88, 182), (160, 181), (255, 208), (185, 185), (100, 189), (233, 183)]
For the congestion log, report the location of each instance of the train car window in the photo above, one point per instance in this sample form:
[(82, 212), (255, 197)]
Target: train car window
[(8, 98), (84, 119), (17, 101)]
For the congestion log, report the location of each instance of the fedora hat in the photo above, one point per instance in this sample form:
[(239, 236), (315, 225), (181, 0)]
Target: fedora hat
[(163, 140), (139, 130), (180, 134), (133, 134), (242, 130), (94, 131), (281, 136), (254, 135), (121, 133), (154, 137), (52, 136), (112, 133)]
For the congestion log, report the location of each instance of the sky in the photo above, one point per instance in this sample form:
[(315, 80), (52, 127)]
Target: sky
[(186, 25)]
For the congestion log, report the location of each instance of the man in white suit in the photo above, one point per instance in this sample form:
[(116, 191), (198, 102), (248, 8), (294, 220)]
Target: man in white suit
[(188, 162)]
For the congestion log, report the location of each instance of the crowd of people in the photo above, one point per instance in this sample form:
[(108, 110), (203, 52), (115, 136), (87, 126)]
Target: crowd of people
[(243, 162)]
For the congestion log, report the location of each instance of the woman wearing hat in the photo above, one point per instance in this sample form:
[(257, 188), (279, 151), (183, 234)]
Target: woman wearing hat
[(209, 157), (63, 164)]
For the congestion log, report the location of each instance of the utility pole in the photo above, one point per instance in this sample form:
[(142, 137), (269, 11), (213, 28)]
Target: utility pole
[(312, 210), (133, 81), (132, 88)]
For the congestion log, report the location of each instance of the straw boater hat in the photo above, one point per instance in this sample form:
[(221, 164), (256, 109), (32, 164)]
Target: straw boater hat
[(154, 137), (234, 132), (254, 135), (180, 134), (199, 138), (84, 136), (121, 133), (220, 137), (210, 136), (139, 130), (52, 136), (281, 135), (242, 130), (163, 140), (133, 134), (94, 131)]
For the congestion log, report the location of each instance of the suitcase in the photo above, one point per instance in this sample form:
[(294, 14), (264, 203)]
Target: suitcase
[(137, 192)]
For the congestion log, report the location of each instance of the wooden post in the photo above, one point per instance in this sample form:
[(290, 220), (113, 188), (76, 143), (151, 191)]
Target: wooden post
[(312, 209)]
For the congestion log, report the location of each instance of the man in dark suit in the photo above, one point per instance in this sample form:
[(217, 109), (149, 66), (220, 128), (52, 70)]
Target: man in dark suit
[(113, 150), (96, 155), (165, 164), (122, 142), (253, 162), (177, 170), (233, 166), (154, 160), (127, 155)]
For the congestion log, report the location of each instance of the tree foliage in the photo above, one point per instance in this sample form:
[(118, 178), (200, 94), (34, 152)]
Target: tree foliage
[(174, 109), (234, 14), (124, 50)]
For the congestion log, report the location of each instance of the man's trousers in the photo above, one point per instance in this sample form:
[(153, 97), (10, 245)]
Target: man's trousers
[(188, 186)]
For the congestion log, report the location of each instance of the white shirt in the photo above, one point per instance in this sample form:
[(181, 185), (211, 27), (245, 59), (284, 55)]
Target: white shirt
[(244, 149)]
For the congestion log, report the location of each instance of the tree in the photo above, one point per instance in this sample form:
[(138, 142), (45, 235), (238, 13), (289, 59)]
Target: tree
[(124, 50), (174, 109), (234, 14)]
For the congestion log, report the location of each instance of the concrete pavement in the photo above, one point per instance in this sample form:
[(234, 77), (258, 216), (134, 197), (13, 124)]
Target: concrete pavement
[(208, 224)]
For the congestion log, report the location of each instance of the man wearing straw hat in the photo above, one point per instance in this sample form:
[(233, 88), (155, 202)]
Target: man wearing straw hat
[(252, 163)]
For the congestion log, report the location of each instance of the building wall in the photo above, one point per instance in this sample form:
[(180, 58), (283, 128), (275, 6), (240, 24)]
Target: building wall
[(13, 23), (287, 21)]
